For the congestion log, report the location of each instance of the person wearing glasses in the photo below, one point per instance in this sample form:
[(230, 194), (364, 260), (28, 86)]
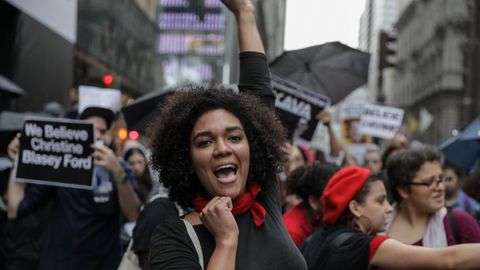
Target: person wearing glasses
[(419, 217)]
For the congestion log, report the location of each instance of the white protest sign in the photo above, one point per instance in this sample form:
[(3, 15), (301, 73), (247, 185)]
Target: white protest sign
[(90, 96), (381, 121), (351, 110)]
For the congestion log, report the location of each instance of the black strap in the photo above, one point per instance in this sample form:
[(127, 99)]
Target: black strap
[(453, 225), (336, 242)]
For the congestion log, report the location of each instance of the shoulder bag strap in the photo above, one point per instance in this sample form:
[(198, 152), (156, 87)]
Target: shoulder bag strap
[(335, 243), (196, 242), (453, 225)]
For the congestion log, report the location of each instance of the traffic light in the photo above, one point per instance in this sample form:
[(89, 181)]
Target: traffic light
[(133, 135), (107, 79), (386, 50), (122, 134)]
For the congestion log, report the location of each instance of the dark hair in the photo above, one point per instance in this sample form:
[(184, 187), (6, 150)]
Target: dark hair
[(459, 171), (170, 136), (132, 151), (389, 153), (144, 181), (347, 216), (404, 166), (308, 181)]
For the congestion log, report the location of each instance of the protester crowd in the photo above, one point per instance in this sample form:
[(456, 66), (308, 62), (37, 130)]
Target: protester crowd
[(216, 184)]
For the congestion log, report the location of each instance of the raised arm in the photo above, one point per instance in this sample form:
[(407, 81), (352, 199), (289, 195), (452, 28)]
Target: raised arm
[(23, 200), (393, 254), (326, 118), (16, 190), (127, 199), (254, 72), (248, 35)]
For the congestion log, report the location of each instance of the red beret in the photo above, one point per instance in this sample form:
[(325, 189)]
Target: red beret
[(341, 189)]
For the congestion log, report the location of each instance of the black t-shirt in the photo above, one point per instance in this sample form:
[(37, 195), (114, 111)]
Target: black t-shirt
[(352, 252), (154, 213), (267, 247), (21, 240), (83, 233)]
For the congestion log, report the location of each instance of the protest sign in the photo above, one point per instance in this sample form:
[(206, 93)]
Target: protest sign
[(381, 121), (351, 113), (297, 108), (56, 152)]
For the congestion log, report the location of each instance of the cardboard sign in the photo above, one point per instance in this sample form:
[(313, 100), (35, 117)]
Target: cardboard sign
[(56, 152), (297, 108), (381, 121)]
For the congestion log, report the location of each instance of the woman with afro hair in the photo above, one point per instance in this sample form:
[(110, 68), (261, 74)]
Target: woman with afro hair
[(218, 151)]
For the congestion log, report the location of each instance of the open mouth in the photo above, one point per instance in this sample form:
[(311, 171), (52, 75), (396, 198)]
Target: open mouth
[(226, 173)]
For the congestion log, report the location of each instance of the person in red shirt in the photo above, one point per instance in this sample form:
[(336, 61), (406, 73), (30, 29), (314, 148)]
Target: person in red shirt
[(308, 183)]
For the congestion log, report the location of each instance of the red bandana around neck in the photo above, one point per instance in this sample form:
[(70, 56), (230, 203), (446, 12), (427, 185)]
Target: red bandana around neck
[(242, 204)]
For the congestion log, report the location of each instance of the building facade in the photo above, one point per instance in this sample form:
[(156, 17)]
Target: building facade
[(117, 37), (37, 44), (271, 23), (430, 73)]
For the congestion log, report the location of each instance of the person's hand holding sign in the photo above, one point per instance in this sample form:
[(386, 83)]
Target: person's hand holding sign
[(13, 147), (16, 190), (104, 156), (325, 117)]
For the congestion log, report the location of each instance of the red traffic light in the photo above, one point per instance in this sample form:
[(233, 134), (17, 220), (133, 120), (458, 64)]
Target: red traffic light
[(133, 135), (107, 79)]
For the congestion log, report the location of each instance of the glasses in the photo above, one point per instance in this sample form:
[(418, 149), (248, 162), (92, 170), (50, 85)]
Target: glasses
[(431, 182)]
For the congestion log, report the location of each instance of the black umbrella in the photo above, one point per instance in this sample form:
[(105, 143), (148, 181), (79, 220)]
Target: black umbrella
[(10, 87), (332, 69), (143, 110)]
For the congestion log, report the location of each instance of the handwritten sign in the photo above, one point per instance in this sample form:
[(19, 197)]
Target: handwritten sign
[(381, 121)]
